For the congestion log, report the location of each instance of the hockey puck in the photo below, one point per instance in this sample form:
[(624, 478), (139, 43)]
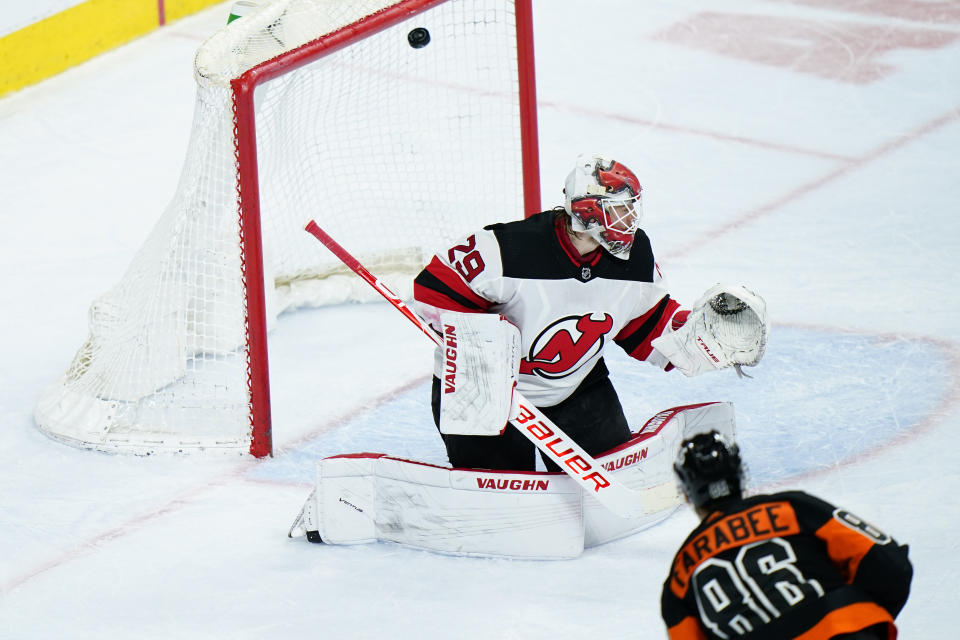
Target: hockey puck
[(418, 38), (727, 304)]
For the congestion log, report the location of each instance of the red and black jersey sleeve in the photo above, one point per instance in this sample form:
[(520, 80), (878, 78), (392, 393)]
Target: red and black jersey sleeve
[(785, 565), (441, 286), (637, 335)]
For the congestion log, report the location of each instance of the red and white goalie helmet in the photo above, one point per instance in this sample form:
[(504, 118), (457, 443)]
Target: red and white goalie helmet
[(603, 200)]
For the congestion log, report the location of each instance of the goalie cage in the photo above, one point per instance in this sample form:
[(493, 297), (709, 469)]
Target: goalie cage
[(303, 109)]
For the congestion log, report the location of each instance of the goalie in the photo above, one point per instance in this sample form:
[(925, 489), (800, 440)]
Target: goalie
[(558, 287)]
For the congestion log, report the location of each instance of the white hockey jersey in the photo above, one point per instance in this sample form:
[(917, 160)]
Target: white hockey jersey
[(568, 307)]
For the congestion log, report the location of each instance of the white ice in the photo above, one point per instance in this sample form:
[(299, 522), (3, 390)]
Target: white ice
[(824, 178)]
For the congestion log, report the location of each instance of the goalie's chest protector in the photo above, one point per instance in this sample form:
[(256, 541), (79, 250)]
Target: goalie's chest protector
[(567, 307)]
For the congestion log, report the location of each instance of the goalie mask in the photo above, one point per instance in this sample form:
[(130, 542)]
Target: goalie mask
[(603, 200), (709, 469)]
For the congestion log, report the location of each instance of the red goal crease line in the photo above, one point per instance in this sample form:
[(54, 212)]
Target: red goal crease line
[(945, 407)]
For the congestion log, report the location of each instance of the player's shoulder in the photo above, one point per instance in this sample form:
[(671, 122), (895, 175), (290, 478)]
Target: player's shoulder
[(793, 496), (806, 511), (797, 497), (529, 247), (526, 229)]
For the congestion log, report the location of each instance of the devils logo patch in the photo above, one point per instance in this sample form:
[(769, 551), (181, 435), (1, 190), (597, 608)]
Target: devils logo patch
[(566, 345)]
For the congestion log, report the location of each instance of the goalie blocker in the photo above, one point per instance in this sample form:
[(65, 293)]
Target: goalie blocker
[(369, 497), (477, 365)]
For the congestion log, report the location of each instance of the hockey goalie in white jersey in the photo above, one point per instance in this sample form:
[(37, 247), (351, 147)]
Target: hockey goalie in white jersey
[(556, 288), (572, 280)]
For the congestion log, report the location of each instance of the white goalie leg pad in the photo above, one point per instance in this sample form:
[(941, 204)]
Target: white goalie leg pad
[(480, 358), (369, 497), (646, 462), (727, 327), (363, 498)]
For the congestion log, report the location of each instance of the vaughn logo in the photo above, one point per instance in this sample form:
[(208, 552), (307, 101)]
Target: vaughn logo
[(514, 485), (449, 358), (625, 461), (566, 345), (653, 424)]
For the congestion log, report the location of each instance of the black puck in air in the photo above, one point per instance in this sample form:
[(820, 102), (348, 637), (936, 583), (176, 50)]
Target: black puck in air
[(418, 38)]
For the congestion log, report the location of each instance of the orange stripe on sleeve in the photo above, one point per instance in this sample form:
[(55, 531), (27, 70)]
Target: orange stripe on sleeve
[(845, 547), (848, 619)]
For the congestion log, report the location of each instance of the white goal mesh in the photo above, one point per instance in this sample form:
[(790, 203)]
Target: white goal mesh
[(395, 150)]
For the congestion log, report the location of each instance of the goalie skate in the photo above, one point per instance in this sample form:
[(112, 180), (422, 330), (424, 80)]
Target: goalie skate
[(306, 522)]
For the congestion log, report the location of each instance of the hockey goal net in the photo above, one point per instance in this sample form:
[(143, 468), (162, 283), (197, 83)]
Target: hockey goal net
[(398, 126)]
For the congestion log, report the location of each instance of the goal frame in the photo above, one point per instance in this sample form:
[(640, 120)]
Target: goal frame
[(248, 188)]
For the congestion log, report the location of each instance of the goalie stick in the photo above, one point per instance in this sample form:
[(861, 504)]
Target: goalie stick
[(531, 422)]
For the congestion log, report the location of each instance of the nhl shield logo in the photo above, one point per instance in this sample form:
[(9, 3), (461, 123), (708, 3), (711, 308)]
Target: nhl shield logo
[(585, 273)]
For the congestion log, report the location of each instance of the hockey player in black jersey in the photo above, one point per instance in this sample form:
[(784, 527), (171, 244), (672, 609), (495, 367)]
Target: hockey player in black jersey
[(572, 280), (778, 566)]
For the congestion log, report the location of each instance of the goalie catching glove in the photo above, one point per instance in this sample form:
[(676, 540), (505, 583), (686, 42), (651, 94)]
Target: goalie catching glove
[(727, 327), (477, 366)]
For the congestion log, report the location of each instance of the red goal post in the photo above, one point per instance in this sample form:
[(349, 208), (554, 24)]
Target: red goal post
[(326, 109)]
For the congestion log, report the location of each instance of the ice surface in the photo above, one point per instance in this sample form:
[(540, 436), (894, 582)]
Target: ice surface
[(832, 194)]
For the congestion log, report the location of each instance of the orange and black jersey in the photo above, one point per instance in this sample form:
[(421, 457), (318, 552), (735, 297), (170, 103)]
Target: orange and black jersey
[(785, 565), (568, 307)]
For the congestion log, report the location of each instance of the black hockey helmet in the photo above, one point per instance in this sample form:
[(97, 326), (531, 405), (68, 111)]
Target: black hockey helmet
[(709, 469)]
